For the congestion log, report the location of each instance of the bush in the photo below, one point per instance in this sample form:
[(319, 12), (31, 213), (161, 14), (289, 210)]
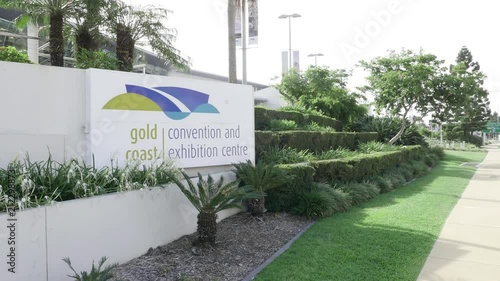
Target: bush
[(396, 178), (340, 201), (264, 116), (96, 273), (301, 109), (97, 59), (338, 153), (287, 155), (386, 128), (284, 198), (283, 125), (406, 170), (362, 166), (383, 183), (13, 55), (438, 151), (375, 146), (420, 168), (313, 126), (431, 160), (360, 192), (314, 204)]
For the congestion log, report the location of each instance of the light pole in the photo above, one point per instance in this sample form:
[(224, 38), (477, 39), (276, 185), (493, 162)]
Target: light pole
[(315, 56), (289, 16)]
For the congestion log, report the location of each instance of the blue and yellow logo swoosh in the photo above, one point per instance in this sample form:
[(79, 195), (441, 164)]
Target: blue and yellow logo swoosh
[(176, 102)]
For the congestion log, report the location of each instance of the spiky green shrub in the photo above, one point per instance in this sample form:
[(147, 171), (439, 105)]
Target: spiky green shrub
[(96, 59), (260, 177), (431, 160), (97, 273), (42, 182), (420, 168), (438, 151), (287, 155), (383, 183), (396, 178), (209, 198), (283, 125), (340, 201), (338, 153), (360, 192), (314, 204), (313, 126), (375, 146)]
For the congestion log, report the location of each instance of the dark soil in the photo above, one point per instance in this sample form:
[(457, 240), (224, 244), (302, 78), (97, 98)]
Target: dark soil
[(243, 243)]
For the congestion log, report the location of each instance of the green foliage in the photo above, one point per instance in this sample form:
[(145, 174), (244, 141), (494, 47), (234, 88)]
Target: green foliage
[(211, 196), (313, 126), (375, 146), (264, 117), (396, 178), (406, 81), (260, 177), (101, 60), (438, 151), (338, 153), (362, 166), (324, 90), (287, 155), (13, 55), (301, 109), (386, 128), (44, 182), (420, 169), (383, 183), (360, 192), (284, 197), (96, 273), (340, 201), (282, 125), (314, 204)]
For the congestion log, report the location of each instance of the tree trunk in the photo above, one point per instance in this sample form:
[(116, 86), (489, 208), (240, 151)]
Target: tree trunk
[(400, 133), (207, 227), (87, 39), (124, 47), (231, 14), (56, 43), (257, 207)]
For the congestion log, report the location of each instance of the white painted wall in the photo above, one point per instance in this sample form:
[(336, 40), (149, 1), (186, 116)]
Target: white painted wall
[(42, 108), (273, 98), (120, 226)]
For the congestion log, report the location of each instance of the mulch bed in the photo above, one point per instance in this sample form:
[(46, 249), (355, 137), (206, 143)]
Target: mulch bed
[(243, 243)]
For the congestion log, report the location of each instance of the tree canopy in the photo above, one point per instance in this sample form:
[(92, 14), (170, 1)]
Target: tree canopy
[(324, 90)]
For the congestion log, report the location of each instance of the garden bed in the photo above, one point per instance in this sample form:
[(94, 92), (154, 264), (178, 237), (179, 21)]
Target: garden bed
[(242, 244)]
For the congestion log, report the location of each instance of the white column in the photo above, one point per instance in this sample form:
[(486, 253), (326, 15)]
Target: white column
[(33, 43)]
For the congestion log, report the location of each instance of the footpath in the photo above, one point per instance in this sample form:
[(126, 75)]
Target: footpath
[(468, 247)]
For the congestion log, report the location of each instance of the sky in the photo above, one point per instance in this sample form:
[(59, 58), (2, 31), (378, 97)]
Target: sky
[(345, 31)]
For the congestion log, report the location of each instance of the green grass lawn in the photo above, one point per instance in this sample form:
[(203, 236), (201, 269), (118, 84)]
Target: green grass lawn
[(388, 238)]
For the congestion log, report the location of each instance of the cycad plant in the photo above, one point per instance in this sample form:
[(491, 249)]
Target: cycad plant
[(260, 178), (96, 273), (209, 198)]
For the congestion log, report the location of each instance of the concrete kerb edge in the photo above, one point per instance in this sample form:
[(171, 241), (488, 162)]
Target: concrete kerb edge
[(256, 271)]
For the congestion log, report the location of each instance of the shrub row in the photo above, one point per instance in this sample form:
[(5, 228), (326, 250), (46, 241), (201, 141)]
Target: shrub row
[(354, 180), (263, 117), (360, 167), (312, 141)]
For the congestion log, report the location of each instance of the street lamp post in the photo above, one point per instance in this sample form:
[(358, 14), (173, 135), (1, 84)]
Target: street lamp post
[(315, 56), (289, 16)]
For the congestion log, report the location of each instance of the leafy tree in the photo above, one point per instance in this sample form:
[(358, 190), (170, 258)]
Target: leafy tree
[(324, 90), (472, 112), (130, 24), (86, 22), (406, 81), (56, 10)]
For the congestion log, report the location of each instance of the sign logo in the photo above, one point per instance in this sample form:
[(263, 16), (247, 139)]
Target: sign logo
[(177, 103)]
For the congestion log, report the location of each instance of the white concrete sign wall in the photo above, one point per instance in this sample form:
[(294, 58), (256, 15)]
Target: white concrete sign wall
[(149, 118), (121, 226)]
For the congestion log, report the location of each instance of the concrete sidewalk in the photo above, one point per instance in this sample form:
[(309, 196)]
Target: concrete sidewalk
[(468, 247)]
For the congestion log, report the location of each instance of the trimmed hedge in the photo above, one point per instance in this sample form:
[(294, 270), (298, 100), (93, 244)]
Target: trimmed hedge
[(311, 140), (357, 169), (361, 167), (263, 117)]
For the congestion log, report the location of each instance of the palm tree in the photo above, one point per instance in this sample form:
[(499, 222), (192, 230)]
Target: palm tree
[(260, 178), (209, 198), (57, 11), (130, 24), (86, 24)]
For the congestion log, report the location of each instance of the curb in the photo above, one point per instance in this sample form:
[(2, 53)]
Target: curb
[(256, 271)]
